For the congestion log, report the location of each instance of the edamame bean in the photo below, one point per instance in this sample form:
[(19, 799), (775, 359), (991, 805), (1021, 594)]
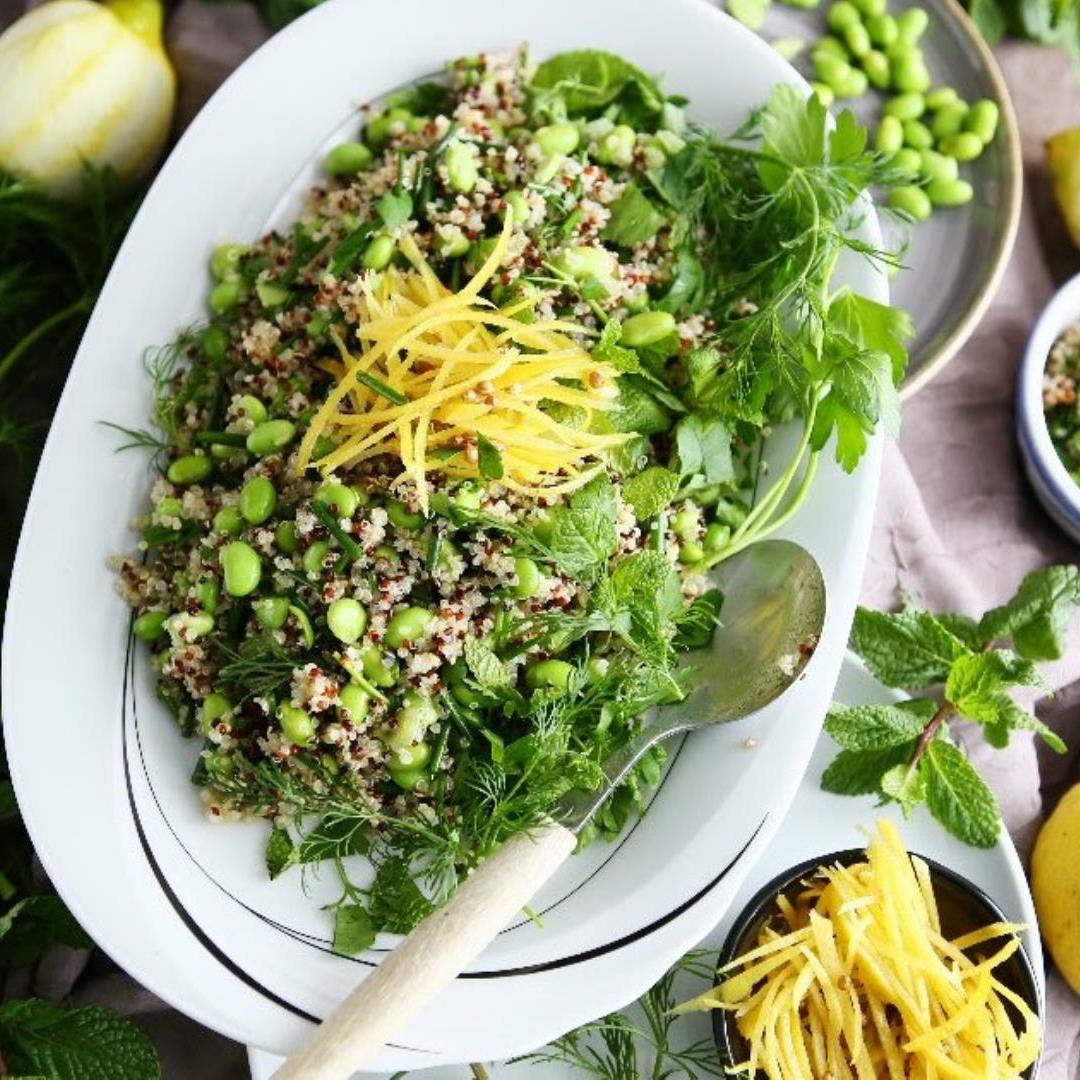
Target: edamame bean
[(883, 30), (257, 500), (647, 328), (825, 94), (346, 619), (378, 253), (249, 407), (935, 166), (878, 70), (315, 557), (854, 86), (150, 625), (832, 70), (229, 521), (941, 96), (468, 496), (286, 538), (342, 500), (890, 135), (716, 538), (167, 508), (297, 724), (183, 626), (408, 626), (558, 138), (214, 341), (410, 776), (871, 8), (225, 295), (347, 158), (912, 201), (582, 262), (270, 437), (857, 38), (618, 147), (190, 469), (519, 207), (912, 24), (354, 701), (908, 106), (410, 722), (385, 551), (461, 167), (949, 120), (910, 74), (215, 705), (964, 147), (917, 135), (271, 294), (982, 120), (453, 244), (549, 675), (685, 523), (401, 516), (949, 192), (831, 46), (208, 593), (841, 15), (907, 161), (225, 261), (307, 631), (383, 128), (528, 578), (691, 553), (272, 611), (751, 13), (242, 568)]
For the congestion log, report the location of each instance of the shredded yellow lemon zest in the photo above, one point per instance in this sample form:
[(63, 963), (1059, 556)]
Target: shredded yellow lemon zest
[(437, 371), (863, 985)]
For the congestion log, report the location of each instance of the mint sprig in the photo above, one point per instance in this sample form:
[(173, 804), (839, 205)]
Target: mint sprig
[(905, 751)]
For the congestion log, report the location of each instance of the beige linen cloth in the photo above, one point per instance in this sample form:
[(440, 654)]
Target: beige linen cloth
[(957, 525)]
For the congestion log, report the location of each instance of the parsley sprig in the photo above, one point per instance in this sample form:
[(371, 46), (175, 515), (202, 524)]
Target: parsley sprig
[(906, 751)]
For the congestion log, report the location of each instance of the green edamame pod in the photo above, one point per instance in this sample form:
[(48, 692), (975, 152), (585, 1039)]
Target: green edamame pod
[(949, 120), (890, 135), (878, 70), (941, 96), (241, 566), (346, 619), (190, 469), (935, 166), (348, 158), (883, 30), (857, 38), (912, 24), (910, 74), (229, 521), (270, 437), (647, 328), (908, 106), (911, 200), (841, 15), (831, 46), (964, 147), (949, 192), (258, 499), (908, 161), (982, 120), (917, 135)]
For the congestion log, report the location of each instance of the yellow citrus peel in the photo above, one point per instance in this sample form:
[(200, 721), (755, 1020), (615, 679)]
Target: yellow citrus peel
[(437, 370), (863, 985)]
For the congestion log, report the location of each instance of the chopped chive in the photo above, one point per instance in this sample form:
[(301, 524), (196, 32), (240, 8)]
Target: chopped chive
[(434, 550), (387, 391), (221, 438), (350, 548)]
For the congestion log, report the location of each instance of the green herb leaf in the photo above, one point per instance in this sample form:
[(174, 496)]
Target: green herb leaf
[(650, 491), (280, 852), (30, 927), (878, 727), (637, 410), (353, 930), (584, 534), (694, 627), (395, 207), (958, 797), (587, 80), (337, 836), (77, 1044), (904, 785), (608, 350), (485, 667), (490, 460), (1037, 617), (1011, 717), (395, 903), (704, 447), (911, 649), (633, 218), (859, 772), (976, 684), (873, 326)]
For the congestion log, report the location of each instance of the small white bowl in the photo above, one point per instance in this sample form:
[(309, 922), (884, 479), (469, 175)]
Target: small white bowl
[(1057, 490)]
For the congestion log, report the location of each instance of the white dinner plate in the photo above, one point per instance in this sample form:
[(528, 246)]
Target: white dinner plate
[(184, 904), (819, 824)]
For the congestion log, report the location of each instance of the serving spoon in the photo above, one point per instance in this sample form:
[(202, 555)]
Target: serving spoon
[(773, 614)]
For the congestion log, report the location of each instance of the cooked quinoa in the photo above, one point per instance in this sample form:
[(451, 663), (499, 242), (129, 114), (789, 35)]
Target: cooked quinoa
[(1060, 400)]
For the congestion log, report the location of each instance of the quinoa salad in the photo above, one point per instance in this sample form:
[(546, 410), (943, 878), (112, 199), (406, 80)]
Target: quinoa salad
[(1061, 402), (441, 479)]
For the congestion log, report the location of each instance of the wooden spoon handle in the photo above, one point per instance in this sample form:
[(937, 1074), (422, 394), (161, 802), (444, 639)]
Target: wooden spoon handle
[(431, 957)]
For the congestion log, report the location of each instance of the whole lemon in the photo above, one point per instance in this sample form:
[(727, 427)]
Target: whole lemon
[(1055, 884)]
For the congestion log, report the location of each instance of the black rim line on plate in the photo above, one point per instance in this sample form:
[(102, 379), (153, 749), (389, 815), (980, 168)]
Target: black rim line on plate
[(321, 943)]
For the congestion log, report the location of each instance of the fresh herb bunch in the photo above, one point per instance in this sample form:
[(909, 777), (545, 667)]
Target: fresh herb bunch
[(905, 751), (1050, 22)]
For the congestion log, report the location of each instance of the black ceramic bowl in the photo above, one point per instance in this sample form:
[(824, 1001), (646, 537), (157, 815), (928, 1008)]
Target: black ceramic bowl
[(962, 907)]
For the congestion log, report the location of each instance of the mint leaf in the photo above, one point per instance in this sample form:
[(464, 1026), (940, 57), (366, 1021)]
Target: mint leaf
[(877, 727), (873, 326), (78, 1044), (353, 930), (909, 649), (859, 772), (1014, 718), (904, 785), (964, 628), (395, 902), (650, 491), (395, 208), (958, 796), (1038, 616), (586, 80), (608, 350), (490, 463), (485, 667), (29, 928), (280, 852), (584, 534), (633, 218), (637, 410), (976, 684), (704, 446), (647, 587)]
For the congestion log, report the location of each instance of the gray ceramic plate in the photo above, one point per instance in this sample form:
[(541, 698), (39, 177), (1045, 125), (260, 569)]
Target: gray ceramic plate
[(955, 259)]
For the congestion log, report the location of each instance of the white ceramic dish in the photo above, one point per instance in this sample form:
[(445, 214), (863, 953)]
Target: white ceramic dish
[(113, 814), (818, 823), (1057, 490)]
